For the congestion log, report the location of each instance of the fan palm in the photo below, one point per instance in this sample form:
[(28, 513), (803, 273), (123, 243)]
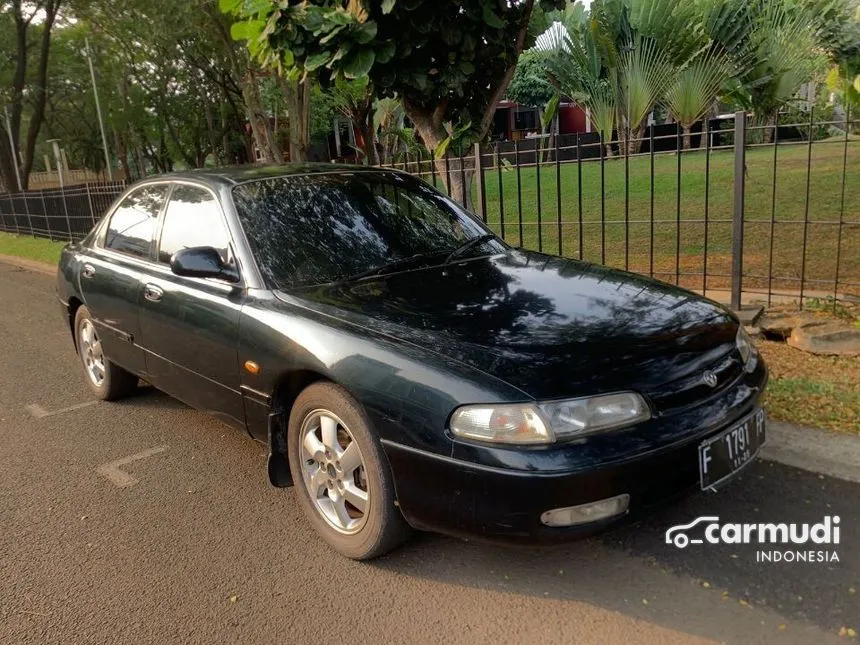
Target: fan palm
[(694, 87)]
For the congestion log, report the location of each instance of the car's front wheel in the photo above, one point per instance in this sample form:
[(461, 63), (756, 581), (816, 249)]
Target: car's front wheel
[(106, 380), (341, 476)]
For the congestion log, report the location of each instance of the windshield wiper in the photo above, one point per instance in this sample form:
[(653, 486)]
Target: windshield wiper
[(469, 244), (389, 266)]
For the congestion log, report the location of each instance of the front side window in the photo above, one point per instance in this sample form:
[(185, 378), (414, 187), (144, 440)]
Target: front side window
[(192, 219), (313, 229), (132, 224)]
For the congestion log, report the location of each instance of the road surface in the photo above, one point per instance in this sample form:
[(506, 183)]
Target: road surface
[(144, 521)]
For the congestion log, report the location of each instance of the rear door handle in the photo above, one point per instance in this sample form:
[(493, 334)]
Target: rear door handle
[(88, 271), (152, 293)]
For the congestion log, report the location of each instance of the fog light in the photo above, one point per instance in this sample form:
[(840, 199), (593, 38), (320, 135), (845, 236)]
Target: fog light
[(585, 513)]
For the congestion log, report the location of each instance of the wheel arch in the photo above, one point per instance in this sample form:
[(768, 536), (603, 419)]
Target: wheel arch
[(287, 388)]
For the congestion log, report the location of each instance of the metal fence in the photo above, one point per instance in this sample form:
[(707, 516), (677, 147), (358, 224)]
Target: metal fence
[(59, 214), (743, 212)]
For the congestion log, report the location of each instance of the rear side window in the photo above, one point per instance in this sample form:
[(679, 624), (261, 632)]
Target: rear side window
[(192, 219), (133, 222)]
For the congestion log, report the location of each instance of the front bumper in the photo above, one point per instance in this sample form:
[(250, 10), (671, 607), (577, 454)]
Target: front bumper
[(500, 493)]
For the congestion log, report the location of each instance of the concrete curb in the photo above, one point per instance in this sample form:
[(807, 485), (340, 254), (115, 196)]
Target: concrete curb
[(30, 265), (819, 451)]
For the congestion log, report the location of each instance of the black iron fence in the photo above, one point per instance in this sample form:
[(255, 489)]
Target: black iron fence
[(60, 214), (735, 210)]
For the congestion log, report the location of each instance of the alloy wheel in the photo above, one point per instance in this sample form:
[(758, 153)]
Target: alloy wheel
[(92, 354), (334, 472)]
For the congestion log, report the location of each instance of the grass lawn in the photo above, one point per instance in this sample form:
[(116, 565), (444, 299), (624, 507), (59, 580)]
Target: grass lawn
[(817, 391), (33, 248), (679, 227)]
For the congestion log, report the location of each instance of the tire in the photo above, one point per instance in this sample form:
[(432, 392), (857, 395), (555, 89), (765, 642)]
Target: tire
[(326, 487), (115, 382)]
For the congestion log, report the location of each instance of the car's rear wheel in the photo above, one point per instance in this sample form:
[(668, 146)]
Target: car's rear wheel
[(107, 380), (341, 477)]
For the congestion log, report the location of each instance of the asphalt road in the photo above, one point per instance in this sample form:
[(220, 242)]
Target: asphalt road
[(200, 549)]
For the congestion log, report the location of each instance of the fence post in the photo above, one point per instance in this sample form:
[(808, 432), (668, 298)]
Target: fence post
[(479, 174), (738, 210), (90, 202), (45, 212), (66, 210)]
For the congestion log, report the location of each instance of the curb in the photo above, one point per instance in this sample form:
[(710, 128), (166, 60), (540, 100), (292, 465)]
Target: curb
[(31, 265), (819, 451)]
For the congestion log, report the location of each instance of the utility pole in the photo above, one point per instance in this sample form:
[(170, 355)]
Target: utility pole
[(58, 157), (99, 110), (12, 147)]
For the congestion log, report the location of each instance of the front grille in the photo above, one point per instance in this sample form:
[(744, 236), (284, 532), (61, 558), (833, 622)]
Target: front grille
[(692, 389)]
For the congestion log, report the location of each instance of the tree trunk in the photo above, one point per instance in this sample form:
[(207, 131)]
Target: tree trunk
[(41, 90), (297, 96), (267, 143), (770, 126), (634, 143), (688, 136)]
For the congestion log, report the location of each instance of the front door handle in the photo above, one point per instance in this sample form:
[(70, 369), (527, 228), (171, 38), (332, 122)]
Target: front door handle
[(152, 293), (88, 271)]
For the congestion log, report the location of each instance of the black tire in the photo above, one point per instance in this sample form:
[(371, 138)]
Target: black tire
[(117, 382), (384, 528)]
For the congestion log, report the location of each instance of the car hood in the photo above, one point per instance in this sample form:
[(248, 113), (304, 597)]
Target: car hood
[(549, 326)]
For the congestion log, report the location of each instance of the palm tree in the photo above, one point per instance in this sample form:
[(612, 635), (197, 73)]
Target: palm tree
[(694, 87), (780, 52)]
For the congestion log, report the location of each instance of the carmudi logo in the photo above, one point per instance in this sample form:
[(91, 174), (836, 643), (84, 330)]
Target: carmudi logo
[(709, 530)]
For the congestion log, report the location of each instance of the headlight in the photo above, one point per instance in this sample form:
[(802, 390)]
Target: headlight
[(518, 423), (744, 344), (528, 423), (581, 416)]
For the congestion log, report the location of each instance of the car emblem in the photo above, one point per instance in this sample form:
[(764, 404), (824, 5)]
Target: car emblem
[(709, 378)]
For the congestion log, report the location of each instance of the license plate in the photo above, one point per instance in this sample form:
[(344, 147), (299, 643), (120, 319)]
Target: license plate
[(721, 456)]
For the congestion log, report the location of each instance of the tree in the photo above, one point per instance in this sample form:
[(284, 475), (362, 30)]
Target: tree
[(24, 19), (448, 61), (530, 84)]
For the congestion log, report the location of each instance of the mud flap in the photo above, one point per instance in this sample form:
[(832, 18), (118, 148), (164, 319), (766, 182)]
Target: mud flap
[(278, 464)]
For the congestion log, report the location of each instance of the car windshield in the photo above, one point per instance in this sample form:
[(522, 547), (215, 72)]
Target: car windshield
[(314, 229)]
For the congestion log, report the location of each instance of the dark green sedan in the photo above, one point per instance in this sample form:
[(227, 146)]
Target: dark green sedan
[(405, 367)]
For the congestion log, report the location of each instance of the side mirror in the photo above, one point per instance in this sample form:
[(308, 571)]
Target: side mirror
[(202, 262)]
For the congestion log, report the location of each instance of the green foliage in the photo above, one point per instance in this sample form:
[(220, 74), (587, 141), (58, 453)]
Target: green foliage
[(530, 84), (436, 55)]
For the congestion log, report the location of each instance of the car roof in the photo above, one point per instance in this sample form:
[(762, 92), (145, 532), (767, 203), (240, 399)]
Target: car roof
[(240, 174)]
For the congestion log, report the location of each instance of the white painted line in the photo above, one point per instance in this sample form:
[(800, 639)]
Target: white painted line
[(826, 453), (121, 478), (38, 412)]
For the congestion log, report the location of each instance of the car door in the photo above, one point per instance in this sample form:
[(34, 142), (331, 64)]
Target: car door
[(189, 326), (111, 274)]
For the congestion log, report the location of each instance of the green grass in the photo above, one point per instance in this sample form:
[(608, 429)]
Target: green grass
[(681, 223), (32, 248)]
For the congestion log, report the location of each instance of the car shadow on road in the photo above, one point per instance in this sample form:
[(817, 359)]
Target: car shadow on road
[(622, 569)]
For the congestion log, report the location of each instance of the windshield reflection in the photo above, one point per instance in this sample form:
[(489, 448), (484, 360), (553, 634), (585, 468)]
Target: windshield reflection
[(315, 229)]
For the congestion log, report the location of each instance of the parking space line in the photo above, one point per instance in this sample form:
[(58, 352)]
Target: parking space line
[(121, 478), (38, 412)]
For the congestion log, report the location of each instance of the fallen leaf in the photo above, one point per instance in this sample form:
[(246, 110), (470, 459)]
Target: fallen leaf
[(234, 598), (781, 628)]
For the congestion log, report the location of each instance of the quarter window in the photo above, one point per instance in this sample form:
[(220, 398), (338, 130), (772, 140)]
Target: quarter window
[(133, 222), (192, 219)]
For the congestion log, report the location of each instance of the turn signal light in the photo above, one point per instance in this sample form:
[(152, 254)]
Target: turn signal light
[(585, 513)]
